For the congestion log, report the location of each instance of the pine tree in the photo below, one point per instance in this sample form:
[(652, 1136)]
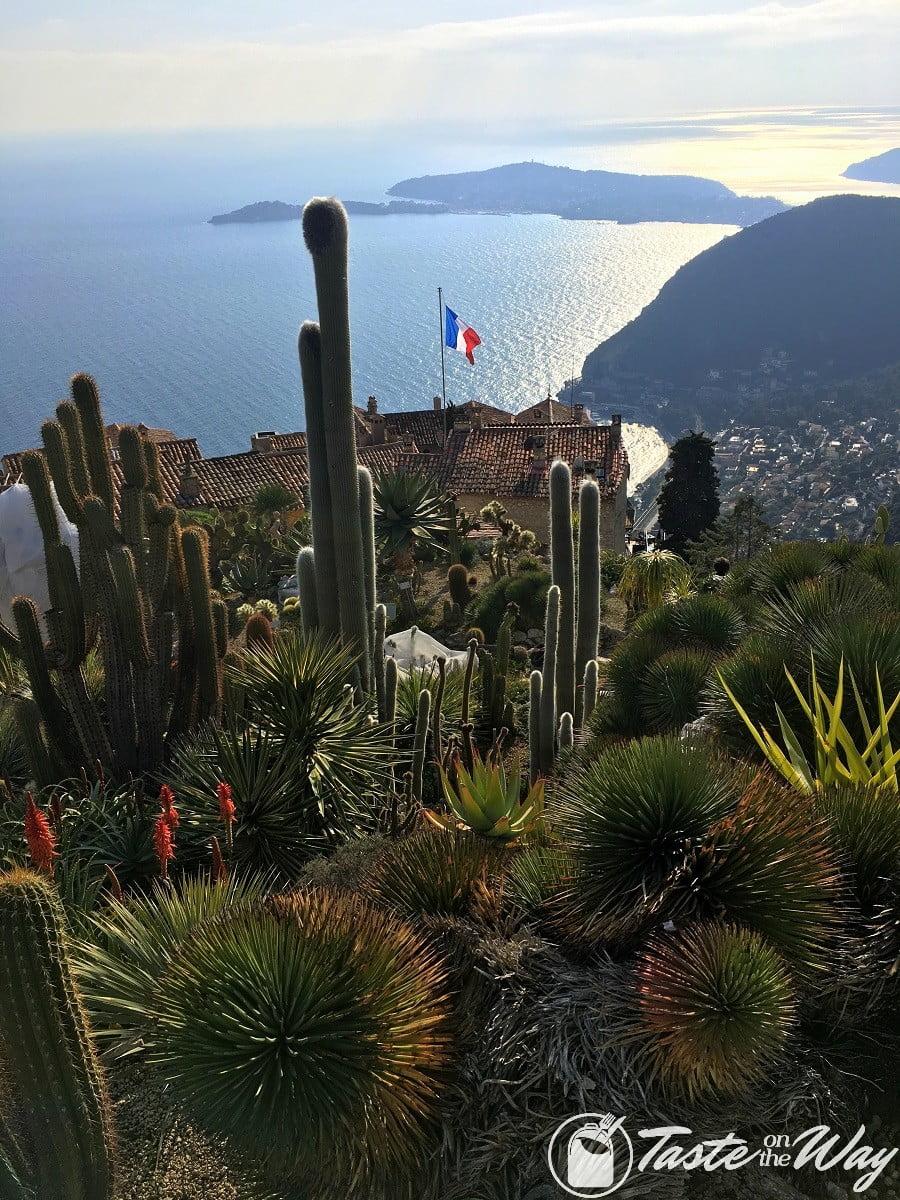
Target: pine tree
[(735, 536), (689, 499)]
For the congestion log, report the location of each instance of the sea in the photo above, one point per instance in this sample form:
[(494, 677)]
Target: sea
[(108, 265)]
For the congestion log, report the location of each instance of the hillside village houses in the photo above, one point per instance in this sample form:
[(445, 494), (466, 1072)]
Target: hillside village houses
[(475, 451)]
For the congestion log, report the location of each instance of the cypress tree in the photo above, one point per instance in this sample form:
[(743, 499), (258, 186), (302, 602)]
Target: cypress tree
[(689, 499)]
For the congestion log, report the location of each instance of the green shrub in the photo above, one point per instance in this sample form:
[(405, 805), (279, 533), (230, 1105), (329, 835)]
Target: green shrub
[(315, 1035), (707, 622), (719, 1005), (611, 567), (755, 674), (780, 566), (528, 589)]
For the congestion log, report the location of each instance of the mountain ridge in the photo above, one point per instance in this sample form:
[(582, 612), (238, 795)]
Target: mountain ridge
[(531, 187), (880, 168)]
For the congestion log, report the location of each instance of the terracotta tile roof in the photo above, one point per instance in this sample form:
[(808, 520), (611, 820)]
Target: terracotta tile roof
[(155, 435), (546, 411), (288, 441), (495, 461), (172, 454)]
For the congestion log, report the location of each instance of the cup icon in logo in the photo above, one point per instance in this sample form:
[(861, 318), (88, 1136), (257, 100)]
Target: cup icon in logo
[(590, 1155), (591, 1158)]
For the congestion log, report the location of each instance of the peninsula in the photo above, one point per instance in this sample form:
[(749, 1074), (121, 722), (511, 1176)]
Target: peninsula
[(531, 187), (882, 168), (277, 210)]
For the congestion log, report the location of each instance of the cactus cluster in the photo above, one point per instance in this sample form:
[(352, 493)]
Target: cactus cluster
[(141, 589), (564, 693), (56, 1139)]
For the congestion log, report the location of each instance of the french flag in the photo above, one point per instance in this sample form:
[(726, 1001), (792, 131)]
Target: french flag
[(459, 336)]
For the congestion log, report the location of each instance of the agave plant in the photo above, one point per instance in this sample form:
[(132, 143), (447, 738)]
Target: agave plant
[(837, 758), (129, 945), (314, 1034), (629, 816), (409, 513), (719, 1005), (488, 800), (431, 873)]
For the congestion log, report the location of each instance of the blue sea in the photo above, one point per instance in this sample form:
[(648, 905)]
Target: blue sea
[(193, 327)]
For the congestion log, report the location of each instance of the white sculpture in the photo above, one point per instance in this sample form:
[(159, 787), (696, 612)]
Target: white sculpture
[(23, 571)]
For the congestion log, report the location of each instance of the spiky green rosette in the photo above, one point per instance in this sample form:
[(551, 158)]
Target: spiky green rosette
[(61, 1112), (628, 817), (314, 1033), (431, 873), (671, 689), (719, 1004)]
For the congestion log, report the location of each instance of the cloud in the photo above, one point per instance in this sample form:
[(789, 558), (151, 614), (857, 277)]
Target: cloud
[(563, 66)]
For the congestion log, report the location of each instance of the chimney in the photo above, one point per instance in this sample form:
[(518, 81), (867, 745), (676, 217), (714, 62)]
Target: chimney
[(438, 403), (371, 407), (408, 442), (539, 455), (379, 429), (261, 443), (476, 415), (578, 414), (189, 484), (616, 426)]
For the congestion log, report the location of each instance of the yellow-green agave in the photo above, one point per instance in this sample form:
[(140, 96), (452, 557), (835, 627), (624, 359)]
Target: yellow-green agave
[(487, 799)]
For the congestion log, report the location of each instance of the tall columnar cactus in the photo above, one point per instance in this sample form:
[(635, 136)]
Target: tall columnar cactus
[(60, 1141), (549, 698), (562, 566), (590, 691), (534, 725), (329, 403), (367, 525), (419, 741), (566, 732), (378, 662), (326, 577), (588, 621), (391, 678), (138, 591), (306, 590)]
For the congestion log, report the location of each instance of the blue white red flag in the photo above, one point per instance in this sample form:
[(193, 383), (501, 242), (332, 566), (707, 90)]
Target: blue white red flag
[(459, 336)]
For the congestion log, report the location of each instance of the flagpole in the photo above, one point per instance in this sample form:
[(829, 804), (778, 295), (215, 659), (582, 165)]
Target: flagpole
[(441, 328)]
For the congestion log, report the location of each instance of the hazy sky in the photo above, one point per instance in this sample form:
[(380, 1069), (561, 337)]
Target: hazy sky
[(498, 64)]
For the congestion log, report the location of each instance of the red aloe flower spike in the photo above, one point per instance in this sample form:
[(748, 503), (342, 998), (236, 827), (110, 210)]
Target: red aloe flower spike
[(162, 843), (170, 812), (39, 836), (114, 885), (219, 870), (226, 812), (56, 812)]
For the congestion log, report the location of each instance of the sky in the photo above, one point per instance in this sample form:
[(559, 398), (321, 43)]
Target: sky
[(514, 68)]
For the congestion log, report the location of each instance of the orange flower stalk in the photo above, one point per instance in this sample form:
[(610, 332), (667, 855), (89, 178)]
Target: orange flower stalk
[(170, 812), (39, 836), (162, 843), (219, 870)]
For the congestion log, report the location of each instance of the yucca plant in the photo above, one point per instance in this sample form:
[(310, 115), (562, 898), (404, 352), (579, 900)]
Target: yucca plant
[(837, 759), (768, 867), (432, 873), (537, 877), (126, 951), (314, 1034), (621, 710), (707, 622), (488, 799), (411, 683), (719, 1005), (818, 605), (629, 816), (671, 689), (881, 563), (409, 513), (297, 693), (755, 674), (647, 577), (864, 825), (281, 819), (781, 566)]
